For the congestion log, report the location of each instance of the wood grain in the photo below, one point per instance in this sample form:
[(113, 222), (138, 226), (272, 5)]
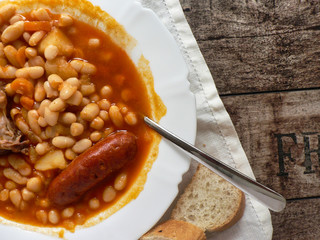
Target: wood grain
[(256, 46), (260, 118), (299, 220), (264, 57)]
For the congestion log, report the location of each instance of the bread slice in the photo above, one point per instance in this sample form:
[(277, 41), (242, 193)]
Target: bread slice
[(175, 230), (209, 202)]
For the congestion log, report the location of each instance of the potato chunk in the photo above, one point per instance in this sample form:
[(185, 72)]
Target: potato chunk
[(61, 67), (57, 38), (51, 160)]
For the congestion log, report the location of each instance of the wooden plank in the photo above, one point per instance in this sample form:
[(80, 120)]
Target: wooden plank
[(233, 19), (269, 63), (264, 47), (253, 46), (300, 220), (280, 133)]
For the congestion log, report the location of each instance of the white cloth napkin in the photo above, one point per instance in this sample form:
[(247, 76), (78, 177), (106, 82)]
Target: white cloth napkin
[(215, 130)]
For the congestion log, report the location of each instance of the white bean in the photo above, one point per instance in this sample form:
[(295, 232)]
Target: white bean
[(85, 101), (97, 123), (109, 194), (7, 11), (68, 118), (9, 90), (94, 97), (42, 216), (42, 122), (27, 195), (15, 197), (13, 32), (124, 110), (67, 91), (34, 184), (75, 99), (42, 148), (15, 18), (131, 118), (53, 216), (63, 142), (116, 116), (83, 67), (106, 91), (4, 195), (104, 115), (10, 185), (73, 82), (41, 14), (120, 182), (50, 132), (26, 36), (23, 72), (36, 72), (51, 92), (51, 117), (51, 52), (45, 103), (87, 89), (67, 212), (39, 92), (76, 64), (55, 81), (43, 135), (95, 136), (7, 71), (57, 105), (44, 202), (127, 95), (90, 111), (19, 164), (76, 129), (36, 38), (82, 145), (14, 176), (30, 52), (69, 154), (94, 203), (65, 20), (94, 42), (88, 68), (33, 121), (104, 104)]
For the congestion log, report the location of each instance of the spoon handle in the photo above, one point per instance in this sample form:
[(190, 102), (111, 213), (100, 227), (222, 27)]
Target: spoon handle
[(271, 199)]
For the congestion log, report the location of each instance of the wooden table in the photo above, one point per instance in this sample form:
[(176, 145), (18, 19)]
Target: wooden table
[(264, 57)]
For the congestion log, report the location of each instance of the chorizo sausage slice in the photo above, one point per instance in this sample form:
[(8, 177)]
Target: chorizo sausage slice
[(92, 166)]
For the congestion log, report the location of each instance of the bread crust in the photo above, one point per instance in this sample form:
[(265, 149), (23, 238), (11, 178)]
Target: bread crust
[(233, 219), (175, 230), (191, 197), (206, 192)]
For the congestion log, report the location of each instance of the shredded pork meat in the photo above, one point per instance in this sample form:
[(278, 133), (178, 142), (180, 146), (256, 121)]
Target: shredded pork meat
[(11, 139)]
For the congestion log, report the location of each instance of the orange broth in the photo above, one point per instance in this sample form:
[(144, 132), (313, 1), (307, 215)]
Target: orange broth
[(116, 69)]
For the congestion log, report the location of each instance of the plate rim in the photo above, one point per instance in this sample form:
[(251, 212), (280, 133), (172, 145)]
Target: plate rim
[(191, 135)]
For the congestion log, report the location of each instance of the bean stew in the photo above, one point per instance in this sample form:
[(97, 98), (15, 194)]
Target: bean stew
[(68, 87)]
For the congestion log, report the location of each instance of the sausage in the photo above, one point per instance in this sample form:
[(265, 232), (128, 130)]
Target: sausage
[(91, 167)]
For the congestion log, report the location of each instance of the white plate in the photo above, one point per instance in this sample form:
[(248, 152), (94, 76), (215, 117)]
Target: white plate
[(170, 75)]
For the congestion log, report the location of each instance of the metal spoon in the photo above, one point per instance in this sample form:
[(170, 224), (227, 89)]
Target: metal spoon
[(271, 199)]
